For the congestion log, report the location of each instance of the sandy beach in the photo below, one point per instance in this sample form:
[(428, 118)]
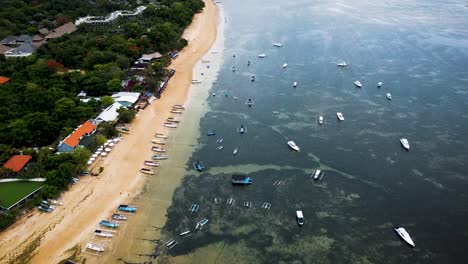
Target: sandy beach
[(49, 238)]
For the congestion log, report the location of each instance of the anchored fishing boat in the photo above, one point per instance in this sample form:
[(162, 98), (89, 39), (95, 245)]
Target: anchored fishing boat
[(389, 96), (261, 56), (250, 102), (178, 106), (170, 125), (159, 157), (158, 149), (320, 120), (242, 129), (95, 247), (103, 233), (279, 45), (195, 81), (379, 84), (252, 78), (211, 133), (340, 116), (200, 224), (358, 83), (151, 163), (317, 175), (146, 171), (176, 111), (159, 142), (119, 217), (172, 120), (109, 224), (185, 233), (235, 151), (285, 65), (241, 179), (198, 165), (404, 142), (159, 135), (127, 208), (294, 84), (342, 64), (194, 208)]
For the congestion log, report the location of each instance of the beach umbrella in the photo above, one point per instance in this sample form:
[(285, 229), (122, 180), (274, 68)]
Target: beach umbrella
[(109, 140), (107, 149), (100, 149), (105, 144), (97, 152), (116, 139), (94, 155), (111, 144), (103, 154), (92, 159), (90, 162)]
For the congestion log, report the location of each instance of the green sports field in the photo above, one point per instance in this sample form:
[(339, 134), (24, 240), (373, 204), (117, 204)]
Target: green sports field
[(11, 192)]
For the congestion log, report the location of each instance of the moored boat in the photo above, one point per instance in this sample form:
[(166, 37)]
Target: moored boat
[(379, 84), (358, 83), (127, 208), (242, 129), (119, 217), (185, 233), (200, 224), (146, 171), (159, 135), (172, 120), (279, 45), (404, 235), (170, 125), (261, 55), (293, 145), (103, 233), (158, 149), (389, 96), (211, 133), (195, 81), (294, 84), (176, 111), (198, 165), (241, 179), (404, 142), (285, 65), (250, 102), (159, 157), (342, 64), (95, 247), (159, 142), (252, 78), (178, 106), (320, 120), (235, 151), (340, 116), (151, 163), (300, 218), (317, 175), (109, 224)]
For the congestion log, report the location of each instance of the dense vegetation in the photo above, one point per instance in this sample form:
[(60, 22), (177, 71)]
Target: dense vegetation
[(39, 105)]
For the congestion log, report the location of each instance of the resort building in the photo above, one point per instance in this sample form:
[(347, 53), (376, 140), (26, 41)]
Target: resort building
[(150, 57), (17, 162), (4, 80), (127, 99), (73, 140), (109, 114), (62, 30)]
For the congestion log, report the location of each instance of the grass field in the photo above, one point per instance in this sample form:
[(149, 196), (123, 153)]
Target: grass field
[(11, 192)]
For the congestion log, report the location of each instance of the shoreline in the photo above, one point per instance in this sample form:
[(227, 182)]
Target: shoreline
[(55, 236)]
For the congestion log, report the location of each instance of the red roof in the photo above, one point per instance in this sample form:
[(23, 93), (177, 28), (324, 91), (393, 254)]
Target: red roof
[(17, 162), (74, 138), (4, 80)]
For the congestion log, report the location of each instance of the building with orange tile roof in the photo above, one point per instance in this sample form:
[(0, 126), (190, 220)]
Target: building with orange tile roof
[(73, 140), (4, 80), (17, 162)]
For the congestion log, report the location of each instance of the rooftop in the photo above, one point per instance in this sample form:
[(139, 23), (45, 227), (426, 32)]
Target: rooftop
[(17, 162), (4, 80), (62, 30), (74, 138), (4, 48)]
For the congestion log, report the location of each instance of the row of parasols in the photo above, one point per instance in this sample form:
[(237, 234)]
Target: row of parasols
[(103, 150)]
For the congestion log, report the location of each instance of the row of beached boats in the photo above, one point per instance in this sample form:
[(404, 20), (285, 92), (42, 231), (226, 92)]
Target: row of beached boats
[(108, 228)]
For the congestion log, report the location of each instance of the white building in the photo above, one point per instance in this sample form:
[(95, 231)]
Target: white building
[(109, 114), (126, 98)]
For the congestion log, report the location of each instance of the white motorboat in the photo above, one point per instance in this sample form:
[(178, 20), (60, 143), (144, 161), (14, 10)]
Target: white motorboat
[(95, 247), (285, 65), (358, 83), (178, 106), (293, 145), (158, 135), (404, 235), (235, 151), (185, 233), (196, 81), (279, 45), (158, 149), (233, 69), (176, 111), (170, 125), (294, 84), (172, 120), (405, 143), (320, 120), (342, 64), (317, 175), (300, 218), (159, 142), (340, 116), (103, 233), (389, 96), (379, 84), (261, 55), (252, 78), (151, 163)]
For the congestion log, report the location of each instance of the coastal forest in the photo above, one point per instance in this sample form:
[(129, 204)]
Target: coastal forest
[(39, 104)]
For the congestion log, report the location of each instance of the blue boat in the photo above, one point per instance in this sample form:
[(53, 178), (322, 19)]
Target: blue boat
[(211, 133), (198, 165), (110, 224), (127, 208), (241, 179)]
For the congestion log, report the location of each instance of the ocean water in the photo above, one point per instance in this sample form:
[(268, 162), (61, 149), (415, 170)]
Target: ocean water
[(419, 50)]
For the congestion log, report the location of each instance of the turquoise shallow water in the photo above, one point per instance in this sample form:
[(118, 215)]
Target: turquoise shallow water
[(419, 50)]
